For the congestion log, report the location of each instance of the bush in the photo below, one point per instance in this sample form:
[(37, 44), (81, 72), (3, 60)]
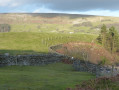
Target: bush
[(104, 61), (5, 28), (103, 83), (86, 24)]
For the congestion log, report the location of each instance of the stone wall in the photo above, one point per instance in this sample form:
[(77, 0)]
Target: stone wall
[(30, 59), (53, 57), (83, 66), (98, 70), (53, 49)]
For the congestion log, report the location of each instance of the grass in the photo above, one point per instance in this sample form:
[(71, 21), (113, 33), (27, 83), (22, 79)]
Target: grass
[(39, 28), (46, 28), (36, 43), (54, 23), (56, 76), (28, 37)]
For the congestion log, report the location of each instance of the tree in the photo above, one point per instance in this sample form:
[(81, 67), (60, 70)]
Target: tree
[(103, 34), (113, 39), (99, 39), (109, 38)]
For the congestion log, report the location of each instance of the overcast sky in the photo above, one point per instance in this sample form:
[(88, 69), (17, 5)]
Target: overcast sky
[(92, 7)]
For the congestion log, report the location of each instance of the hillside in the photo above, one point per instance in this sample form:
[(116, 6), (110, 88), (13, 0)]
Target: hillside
[(58, 23), (36, 43), (34, 34)]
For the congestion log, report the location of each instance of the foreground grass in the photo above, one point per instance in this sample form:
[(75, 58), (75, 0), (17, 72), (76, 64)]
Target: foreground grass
[(56, 76), (101, 83), (36, 43)]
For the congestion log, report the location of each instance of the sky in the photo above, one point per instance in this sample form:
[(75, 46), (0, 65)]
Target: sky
[(90, 7)]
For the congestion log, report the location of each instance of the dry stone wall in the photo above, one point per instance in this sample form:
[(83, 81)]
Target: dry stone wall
[(30, 59), (85, 66), (98, 70), (53, 57)]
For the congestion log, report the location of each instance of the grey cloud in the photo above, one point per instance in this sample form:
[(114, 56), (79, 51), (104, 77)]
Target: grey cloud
[(74, 5)]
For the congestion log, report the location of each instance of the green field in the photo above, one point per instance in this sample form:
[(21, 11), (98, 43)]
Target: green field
[(36, 43), (34, 34), (56, 76), (57, 23)]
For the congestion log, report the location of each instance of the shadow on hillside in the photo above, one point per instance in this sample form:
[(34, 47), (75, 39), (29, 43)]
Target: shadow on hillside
[(53, 15), (21, 52)]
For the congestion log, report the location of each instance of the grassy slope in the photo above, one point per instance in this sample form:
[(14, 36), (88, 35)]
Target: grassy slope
[(59, 23), (49, 77), (35, 43)]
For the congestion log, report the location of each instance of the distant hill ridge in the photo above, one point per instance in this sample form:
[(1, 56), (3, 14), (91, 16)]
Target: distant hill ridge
[(56, 22)]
